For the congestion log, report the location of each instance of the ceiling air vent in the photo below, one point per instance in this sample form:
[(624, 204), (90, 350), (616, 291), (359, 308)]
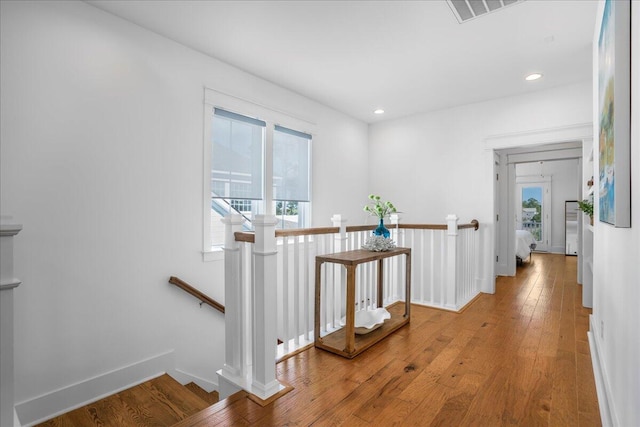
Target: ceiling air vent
[(465, 10)]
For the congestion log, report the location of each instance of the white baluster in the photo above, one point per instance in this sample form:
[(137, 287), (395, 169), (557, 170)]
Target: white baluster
[(296, 291), (309, 302), (340, 245), (452, 268), (443, 267), (432, 259), (396, 272), (285, 293)]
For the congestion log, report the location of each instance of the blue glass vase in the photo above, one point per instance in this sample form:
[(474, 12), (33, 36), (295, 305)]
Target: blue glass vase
[(381, 230)]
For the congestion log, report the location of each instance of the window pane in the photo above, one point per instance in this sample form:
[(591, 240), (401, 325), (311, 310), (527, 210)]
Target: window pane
[(532, 211), (236, 156), (291, 214), (222, 207), (291, 151)]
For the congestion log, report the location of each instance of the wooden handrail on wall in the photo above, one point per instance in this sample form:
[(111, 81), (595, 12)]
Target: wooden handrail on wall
[(250, 237), (196, 293)]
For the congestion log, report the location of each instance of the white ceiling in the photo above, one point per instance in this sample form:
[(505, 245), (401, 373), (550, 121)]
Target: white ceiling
[(403, 56)]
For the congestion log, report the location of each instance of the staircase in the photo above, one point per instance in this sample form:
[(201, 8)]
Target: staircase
[(161, 401)]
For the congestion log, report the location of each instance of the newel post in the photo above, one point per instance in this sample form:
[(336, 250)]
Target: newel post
[(452, 268), (235, 364), (264, 383), (394, 219), (8, 283), (340, 238)]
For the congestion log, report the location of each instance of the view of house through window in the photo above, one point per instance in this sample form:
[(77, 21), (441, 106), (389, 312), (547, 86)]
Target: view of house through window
[(241, 146), (533, 208)]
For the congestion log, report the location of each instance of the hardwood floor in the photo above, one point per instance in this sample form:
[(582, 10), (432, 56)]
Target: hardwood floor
[(519, 357), (161, 401)]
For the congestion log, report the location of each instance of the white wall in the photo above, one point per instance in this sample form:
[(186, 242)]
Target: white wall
[(564, 186), (616, 281), (436, 163), (101, 143)]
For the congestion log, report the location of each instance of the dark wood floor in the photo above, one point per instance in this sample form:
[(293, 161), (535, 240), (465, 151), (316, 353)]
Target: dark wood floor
[(519, 357)]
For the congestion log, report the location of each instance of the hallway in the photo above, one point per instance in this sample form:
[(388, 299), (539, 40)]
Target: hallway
[(519, 357)]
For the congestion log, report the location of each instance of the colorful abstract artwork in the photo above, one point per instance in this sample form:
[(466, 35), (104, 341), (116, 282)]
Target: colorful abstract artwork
[(613, 117), (606, 81)]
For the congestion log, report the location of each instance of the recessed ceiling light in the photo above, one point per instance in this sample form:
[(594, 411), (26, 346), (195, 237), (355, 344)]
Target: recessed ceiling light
[(533, 76), (378, 111)]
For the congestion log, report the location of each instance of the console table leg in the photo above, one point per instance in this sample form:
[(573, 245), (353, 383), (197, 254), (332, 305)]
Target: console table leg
[(350, 333)]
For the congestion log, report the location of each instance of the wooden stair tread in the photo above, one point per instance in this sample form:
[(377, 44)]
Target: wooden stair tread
[(172, 393), (219, 413), (203, 394), (159, 401)]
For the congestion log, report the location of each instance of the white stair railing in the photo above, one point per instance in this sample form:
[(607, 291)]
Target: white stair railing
[(251, 316), (270, 287)]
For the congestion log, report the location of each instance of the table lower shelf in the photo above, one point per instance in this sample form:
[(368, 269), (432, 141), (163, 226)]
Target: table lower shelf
[(336, 342)]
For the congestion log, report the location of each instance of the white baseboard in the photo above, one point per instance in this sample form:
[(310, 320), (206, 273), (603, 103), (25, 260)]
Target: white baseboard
[(486, 285), (76, 395), (607, 409), (184, 377)]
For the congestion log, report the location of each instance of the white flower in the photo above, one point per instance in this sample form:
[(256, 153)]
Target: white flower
[(379, 208)]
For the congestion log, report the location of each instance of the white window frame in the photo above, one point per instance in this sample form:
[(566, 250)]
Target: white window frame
[(216, 99)]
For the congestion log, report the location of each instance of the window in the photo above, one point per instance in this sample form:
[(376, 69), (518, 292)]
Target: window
[(291, 161), (533, 207), (258, 161)]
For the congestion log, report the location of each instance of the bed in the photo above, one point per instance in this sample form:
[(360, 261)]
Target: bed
[(525, 244)]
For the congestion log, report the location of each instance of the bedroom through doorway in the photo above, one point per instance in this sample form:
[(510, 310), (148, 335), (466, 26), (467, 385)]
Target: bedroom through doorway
[(537, 180)]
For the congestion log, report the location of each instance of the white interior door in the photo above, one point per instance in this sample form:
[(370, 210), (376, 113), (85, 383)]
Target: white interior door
[(533, 209)]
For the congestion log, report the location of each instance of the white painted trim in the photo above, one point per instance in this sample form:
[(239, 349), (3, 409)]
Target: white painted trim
[(248, 383), (206, 177), (227, 385), (543, 156), (455, 308), (215, 254), (532, 179), (8, 227), (243, 103), (603, 387), (76, 395), (9, 284), (576, 132), (486, 285), (184, 378)]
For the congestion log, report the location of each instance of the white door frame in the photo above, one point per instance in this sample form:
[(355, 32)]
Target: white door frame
[(553, 140)]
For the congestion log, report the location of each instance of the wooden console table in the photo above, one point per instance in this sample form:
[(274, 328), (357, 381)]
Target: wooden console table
[(344, 341)]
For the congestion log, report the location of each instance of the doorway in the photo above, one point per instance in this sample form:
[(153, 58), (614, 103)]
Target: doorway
[(510, 195)]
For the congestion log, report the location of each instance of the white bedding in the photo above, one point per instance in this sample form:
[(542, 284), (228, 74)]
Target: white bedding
[(524, 239)]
